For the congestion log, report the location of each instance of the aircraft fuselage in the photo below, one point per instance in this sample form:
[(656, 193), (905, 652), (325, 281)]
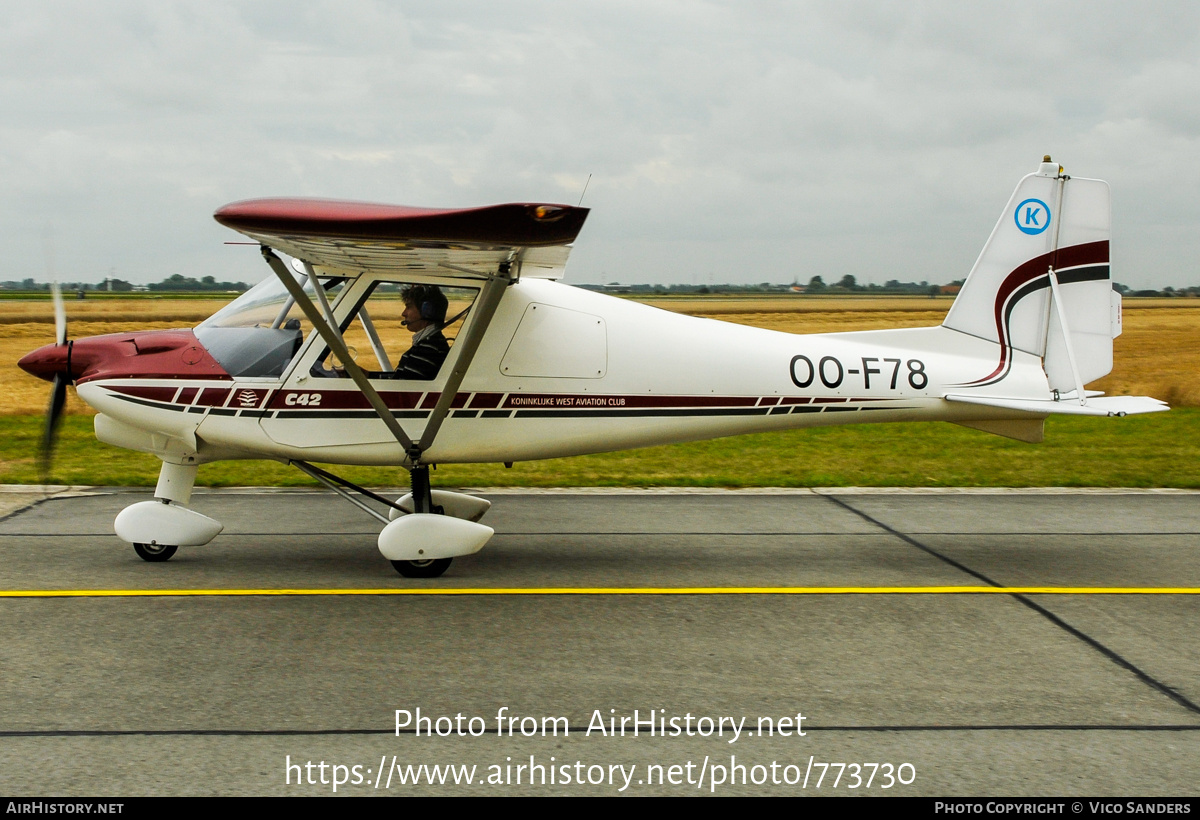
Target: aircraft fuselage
[(562, 371)]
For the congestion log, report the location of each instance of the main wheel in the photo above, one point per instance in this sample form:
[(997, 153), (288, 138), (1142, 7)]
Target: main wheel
[(431, 568), (154, 552)]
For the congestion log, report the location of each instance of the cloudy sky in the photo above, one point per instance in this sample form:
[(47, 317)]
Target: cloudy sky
[(727, 142)]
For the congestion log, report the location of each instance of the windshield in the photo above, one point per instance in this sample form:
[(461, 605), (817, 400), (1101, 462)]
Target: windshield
[(258, 334), (268, 304)]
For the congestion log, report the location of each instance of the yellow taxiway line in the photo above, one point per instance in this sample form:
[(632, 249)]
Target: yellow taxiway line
[(943, 590)]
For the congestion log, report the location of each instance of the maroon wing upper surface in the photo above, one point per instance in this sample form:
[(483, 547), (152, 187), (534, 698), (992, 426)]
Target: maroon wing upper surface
[(514, 224)]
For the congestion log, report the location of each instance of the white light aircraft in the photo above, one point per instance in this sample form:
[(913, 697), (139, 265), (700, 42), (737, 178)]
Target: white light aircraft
[(542, 370)]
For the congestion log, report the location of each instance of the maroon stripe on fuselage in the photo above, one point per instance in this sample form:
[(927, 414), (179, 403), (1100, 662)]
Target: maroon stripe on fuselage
[(520, 400), (164, 394), (315, 403), (431, 399), (334, 400), (343, 399), (213, 397), (485, 401), (1089, 253)]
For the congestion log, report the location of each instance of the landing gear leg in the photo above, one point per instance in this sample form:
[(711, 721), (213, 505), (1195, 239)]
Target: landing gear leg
[(422, 503), (421, 492), (175, 483)]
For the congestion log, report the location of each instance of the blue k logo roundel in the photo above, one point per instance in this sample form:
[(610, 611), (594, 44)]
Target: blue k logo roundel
[(1032, 216)]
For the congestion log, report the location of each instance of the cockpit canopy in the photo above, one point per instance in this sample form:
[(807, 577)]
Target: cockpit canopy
[(258, 334)]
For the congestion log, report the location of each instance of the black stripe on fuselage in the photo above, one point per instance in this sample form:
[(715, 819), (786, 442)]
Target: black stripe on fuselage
[(647, 412), (640, 412), (175, 408), (347, 414)]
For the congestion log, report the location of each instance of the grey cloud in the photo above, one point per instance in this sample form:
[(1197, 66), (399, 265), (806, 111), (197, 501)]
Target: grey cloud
[(745, 141)]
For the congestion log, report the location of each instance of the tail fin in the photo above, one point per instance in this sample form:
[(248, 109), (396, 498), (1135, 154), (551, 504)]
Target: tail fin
[(1042, 282)]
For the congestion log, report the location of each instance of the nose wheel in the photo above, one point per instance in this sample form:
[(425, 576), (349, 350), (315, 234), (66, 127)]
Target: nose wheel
[(432, 568), (154, 553)]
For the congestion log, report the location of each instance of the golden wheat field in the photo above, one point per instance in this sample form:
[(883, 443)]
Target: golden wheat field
[(1157, 355)]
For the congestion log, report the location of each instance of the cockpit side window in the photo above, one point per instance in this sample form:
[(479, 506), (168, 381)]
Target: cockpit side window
[(401, 330)]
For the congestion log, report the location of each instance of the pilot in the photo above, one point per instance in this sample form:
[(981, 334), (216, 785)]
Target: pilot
[(425, 315)]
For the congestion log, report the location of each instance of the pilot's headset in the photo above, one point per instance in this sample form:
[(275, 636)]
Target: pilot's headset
[(433, 308)]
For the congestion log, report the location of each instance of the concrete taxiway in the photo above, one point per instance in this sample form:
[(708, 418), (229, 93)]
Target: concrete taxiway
[(978, 693)]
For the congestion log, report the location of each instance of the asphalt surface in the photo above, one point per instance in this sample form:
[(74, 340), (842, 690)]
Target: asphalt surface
[(978, 694)]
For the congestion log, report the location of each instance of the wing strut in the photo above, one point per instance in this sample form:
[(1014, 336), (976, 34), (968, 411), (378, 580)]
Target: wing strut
[(334, 340), (385, 363), (468, 343)]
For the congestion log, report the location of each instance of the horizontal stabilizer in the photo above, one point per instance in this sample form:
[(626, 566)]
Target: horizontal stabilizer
[(1103, 406)]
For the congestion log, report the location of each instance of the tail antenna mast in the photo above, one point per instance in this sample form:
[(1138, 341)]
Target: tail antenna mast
[(585, 187)]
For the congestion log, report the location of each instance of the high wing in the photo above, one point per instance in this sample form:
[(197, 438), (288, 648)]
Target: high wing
[(352, 237), (493, 245)]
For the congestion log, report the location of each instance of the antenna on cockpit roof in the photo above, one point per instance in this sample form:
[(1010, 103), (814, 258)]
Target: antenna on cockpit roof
[(589, 180)]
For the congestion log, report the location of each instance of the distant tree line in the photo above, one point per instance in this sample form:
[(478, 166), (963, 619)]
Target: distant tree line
[(1194, 290), (175, 282), (847, 284)]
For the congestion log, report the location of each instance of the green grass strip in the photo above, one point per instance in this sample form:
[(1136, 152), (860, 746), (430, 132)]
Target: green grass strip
[(1156, 450)]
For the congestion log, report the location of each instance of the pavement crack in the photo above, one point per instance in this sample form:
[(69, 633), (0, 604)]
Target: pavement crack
[(1079, 634), (22, 510)]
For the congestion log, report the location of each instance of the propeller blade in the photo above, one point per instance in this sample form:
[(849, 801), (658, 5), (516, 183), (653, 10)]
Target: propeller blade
[(58, 402), (60, 314)]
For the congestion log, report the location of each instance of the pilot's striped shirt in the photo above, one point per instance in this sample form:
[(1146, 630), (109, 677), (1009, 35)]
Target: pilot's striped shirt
[(424, 359)]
